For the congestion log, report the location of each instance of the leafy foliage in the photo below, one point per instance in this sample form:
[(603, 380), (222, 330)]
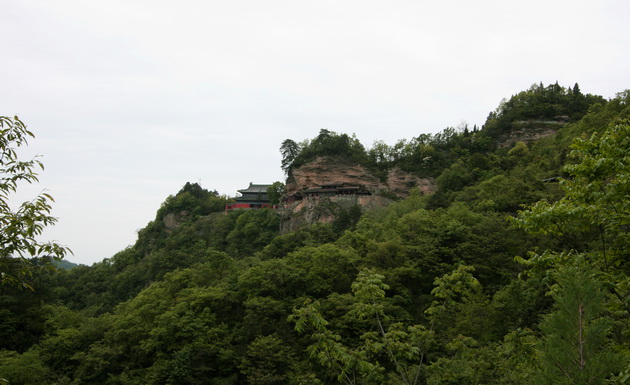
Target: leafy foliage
[(20, 228), (327, 143), (275, 192), (289, 150), (542, 103), (594, 214)]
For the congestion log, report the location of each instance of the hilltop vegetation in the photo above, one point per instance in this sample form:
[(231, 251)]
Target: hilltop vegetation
[(429, 155), (514, 272)]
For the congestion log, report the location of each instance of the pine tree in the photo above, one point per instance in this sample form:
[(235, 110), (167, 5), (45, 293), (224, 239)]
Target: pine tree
[(575, 349)]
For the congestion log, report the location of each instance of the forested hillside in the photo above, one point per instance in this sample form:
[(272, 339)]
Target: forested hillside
[(515, 271)]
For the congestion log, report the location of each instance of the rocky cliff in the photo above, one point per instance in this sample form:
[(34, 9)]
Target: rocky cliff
[(530, 131), (305, 206), (324, 171)]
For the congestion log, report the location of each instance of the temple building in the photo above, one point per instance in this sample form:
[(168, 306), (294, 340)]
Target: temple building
[(253, 197)]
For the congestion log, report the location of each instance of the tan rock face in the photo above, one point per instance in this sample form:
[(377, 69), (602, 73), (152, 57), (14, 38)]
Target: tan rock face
[(324, 171)]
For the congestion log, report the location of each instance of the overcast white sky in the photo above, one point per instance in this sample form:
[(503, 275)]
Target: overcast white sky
[(130, 99)]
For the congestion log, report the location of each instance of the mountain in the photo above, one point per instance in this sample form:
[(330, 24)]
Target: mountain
[(493, 255), (65, 264)]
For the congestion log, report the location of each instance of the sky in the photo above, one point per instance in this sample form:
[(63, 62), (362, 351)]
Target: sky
[(131, 99)]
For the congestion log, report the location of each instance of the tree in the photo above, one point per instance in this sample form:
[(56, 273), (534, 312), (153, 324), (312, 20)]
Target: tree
[(275, 192), (575, 348), (267, 361), (350, 365), (326, 144), (26, 368), (595, 206), (20, 228), (593, 221), (404, 346), (289, 150)]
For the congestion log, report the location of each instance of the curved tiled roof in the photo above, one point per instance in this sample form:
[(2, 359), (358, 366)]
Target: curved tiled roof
[(255, 188)]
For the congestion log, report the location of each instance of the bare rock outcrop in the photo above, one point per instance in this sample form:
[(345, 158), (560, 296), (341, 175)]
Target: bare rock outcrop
[(319, 190), (530, 131), (399, 183), (173, 220), (325, 171)]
